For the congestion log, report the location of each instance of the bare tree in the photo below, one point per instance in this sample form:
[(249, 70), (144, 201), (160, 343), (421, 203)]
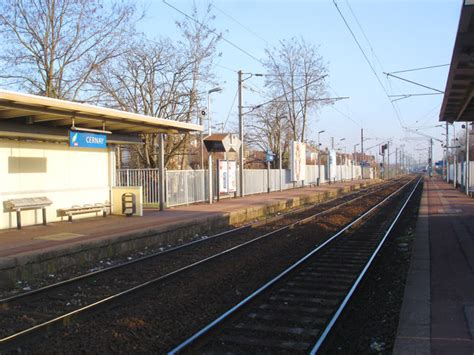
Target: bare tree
[(52, 47), (297, 74), (268, 129), (164, 79), (199, 44), (151, 79)]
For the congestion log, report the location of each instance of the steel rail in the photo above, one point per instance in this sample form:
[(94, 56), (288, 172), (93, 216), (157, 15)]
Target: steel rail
[(176, 248), (232, 310), (118, 266), (66, 317), (333, 320)]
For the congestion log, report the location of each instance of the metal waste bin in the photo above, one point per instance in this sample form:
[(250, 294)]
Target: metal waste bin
[(129, 204)]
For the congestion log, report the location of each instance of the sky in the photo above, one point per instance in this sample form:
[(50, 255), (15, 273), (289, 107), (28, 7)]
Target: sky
[(394, 35)]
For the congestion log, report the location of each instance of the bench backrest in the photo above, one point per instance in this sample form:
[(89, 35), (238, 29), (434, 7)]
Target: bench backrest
[(28, 202)]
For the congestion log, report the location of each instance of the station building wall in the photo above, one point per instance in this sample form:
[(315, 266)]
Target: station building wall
[(67, 176)]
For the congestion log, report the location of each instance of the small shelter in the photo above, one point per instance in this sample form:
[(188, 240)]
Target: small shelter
[(64, 151)]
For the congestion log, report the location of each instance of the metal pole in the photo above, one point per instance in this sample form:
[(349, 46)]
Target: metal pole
[(445, 165), (388, 160), (268, 177), (431, 157), (467, 173), (455, 173), (383, 166), (161, 163), (202, 140), (209, 154), (396, 161), (241, 132), (319, 166), (362, 152), (279, 161)]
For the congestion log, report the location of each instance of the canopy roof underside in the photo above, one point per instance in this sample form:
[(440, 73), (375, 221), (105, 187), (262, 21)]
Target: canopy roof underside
[(458, 102), (33, 110)]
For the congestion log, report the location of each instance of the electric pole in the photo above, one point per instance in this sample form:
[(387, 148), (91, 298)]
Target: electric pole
[(388, 160), (241, 133), (445, 165), (396, 161), (362, 160)]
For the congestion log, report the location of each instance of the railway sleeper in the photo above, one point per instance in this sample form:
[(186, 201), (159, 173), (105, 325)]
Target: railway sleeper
[(333, 268), (323, 276), (311, 332), (293, 318), (316, 293), (268, 343), (349, 253), (346, 256), (306, 300), (317, 285), (324, 260), (298, 309), (322, 281)]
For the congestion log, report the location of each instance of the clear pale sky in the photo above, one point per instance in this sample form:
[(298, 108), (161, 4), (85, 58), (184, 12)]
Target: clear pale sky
[(403, 34)]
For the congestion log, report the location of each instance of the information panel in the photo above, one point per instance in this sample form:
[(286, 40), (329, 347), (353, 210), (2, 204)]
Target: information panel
[(227, 173), (87, 140), (298, 161)]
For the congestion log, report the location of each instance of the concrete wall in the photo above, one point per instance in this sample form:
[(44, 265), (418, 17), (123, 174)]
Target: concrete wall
[(67, 176)]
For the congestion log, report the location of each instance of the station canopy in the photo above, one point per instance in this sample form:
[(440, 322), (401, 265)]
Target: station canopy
[(458, 102), (37, 116)]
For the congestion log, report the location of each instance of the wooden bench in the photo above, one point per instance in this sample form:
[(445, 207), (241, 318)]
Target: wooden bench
[(88, 208), (29, 203)]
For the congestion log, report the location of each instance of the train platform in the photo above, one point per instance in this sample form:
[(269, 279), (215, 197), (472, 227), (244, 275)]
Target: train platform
[(39, 249), (437, 315)]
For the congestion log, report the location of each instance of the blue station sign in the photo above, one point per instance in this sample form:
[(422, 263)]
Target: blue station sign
[(269, 156), (87, 140)]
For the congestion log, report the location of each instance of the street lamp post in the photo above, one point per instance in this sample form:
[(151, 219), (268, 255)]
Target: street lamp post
[(319, 158), (280, 156), (339, 144), (354, 160), (209, 131)]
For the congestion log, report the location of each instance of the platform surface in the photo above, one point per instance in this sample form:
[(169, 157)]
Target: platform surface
[(39, 238), (438, 309)]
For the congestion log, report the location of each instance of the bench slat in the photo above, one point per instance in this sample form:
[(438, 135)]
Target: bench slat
[(98, 207), (26, 203)]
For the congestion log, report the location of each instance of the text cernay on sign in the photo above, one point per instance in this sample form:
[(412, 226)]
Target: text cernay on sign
[(87, 140)]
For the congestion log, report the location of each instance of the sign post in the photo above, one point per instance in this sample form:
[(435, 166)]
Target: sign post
[(269, 156)]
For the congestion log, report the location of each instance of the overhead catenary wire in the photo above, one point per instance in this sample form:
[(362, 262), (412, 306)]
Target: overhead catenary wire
[(214, 32), (422, 68), (230, 110), (283, 95), (365, 36), (414, 83), (370, 64), (240, 24)]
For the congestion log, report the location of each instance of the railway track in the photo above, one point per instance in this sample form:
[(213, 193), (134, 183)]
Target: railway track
[(38, 310), (295, 311)]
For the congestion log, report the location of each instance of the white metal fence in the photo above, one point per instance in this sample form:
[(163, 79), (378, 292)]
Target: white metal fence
[(191, 186), (186, 186), (148, 178), (457, 172)]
